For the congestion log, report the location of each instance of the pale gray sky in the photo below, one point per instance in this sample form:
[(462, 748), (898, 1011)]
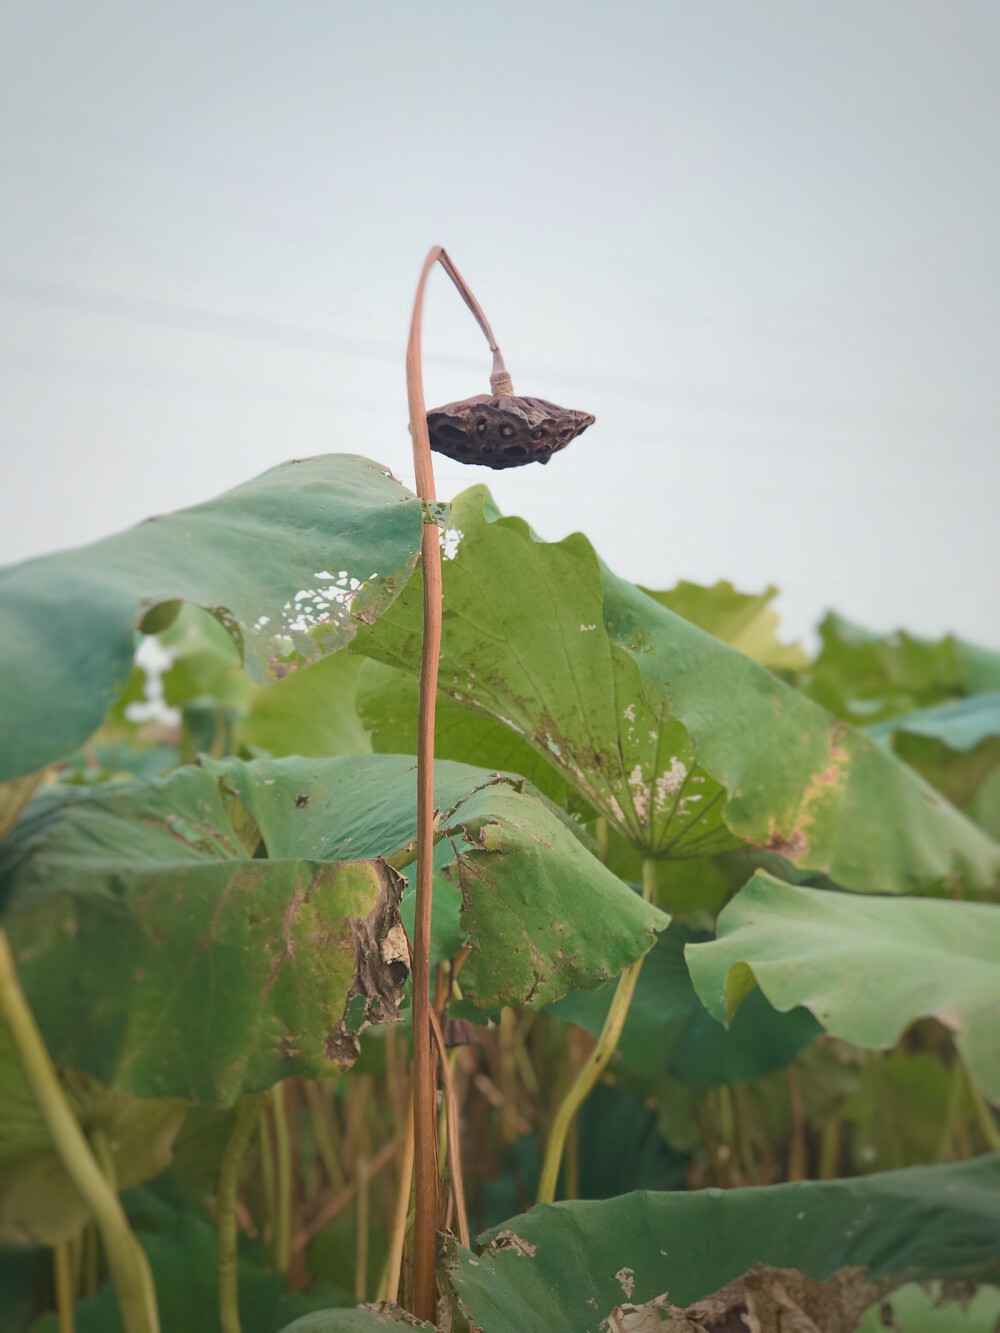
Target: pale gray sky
[(757, 238)]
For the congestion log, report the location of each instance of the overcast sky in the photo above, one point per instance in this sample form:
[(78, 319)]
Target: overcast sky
[(758, 240)]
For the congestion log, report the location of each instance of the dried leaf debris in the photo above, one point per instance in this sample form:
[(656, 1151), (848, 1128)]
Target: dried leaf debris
[(763, 1300)]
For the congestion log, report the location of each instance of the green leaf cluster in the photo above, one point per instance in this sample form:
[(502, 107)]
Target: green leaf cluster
[(204, 864)]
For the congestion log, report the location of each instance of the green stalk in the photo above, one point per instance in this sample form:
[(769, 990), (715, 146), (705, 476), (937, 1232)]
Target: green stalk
[(91, 1261), (76, 1262), (951, 1113), (283, 1154), (984, 1115), (829, 1152), (63, 1278), (320, 1118), (126, 1259), (607, 1044), (362, 1223), (267, 1172), (105, 1158), (571, 1174), (247, 1118), (397, 1231)]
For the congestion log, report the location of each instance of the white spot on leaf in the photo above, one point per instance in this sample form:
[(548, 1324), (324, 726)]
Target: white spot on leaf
[(450, 541), (670, 782), (626, 1277)]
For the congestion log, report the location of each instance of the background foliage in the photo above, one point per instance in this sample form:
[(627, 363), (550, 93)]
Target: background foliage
[(204, 881)]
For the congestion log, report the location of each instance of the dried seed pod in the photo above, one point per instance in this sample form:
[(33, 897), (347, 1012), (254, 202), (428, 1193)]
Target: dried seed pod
[(503, 431)]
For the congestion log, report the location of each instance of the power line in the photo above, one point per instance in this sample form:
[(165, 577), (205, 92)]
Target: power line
[(159, 314)]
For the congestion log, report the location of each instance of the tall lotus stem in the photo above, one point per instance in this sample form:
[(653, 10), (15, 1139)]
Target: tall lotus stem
[(248, 1111), (424, 1098), (500, 431)]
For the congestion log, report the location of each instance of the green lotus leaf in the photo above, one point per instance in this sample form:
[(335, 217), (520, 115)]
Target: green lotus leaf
[(310, 712), (565, 1267), (960, 724), (865, 967), (541, 914), (956, 748), (159, 956), (865, 677), (685, 745), (211, 932), (387, 701), (746, 621), (289, 563), (668, 1033), (918, 1308)]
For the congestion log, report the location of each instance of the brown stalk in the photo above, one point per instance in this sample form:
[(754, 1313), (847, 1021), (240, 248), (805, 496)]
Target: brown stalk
[(424, 1098)]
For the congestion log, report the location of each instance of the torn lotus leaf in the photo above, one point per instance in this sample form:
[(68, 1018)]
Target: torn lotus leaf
[(381, 967), (510, 1240), (763, 1300), (391, 1313)]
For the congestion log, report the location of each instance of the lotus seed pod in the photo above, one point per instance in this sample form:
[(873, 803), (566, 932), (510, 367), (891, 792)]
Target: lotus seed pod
[(503, 431)]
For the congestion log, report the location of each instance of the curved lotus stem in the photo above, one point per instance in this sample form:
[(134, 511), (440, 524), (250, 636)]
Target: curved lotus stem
[(424, 1092), (127, 1262)]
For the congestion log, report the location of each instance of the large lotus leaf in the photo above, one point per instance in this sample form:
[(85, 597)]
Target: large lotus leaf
[(865, 677), (684, 744), (984, 806), (253, 908), (866, 967), (668, 1033), (562, 1268), (387, 700), (545, 915), (541, 913), (821, 794), (310, 712), (525, 642), (288, 562), (164, 960), (39, 1204), (743, 620)]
